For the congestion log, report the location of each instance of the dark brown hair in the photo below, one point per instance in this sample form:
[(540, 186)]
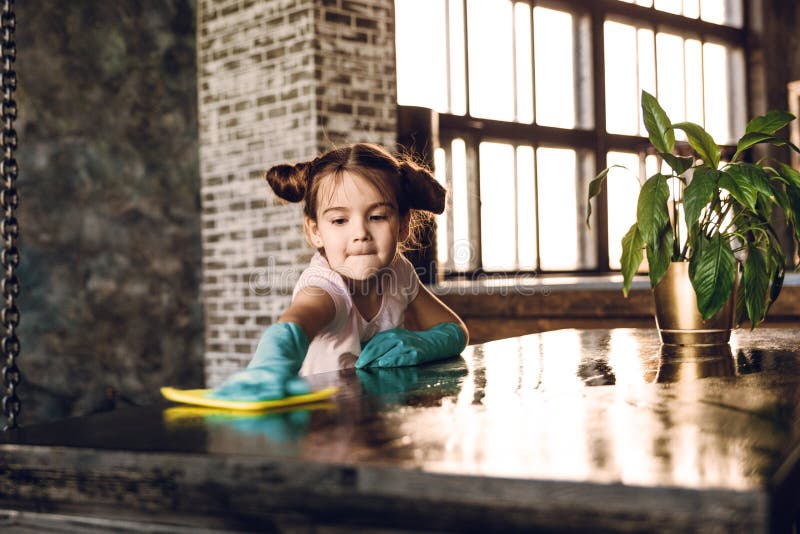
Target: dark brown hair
[(413, 186)]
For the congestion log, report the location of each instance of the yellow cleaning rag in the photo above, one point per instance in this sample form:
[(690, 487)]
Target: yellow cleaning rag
[(198, 397)]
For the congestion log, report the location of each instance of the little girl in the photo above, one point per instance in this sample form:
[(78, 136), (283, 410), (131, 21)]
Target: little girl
[(351, 305)]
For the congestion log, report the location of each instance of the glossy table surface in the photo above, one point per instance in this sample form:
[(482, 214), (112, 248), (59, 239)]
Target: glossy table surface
[(565, 426)]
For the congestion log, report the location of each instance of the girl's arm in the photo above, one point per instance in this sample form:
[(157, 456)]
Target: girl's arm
[(272, 372), (426, 311), (312, 309), (440, 333)]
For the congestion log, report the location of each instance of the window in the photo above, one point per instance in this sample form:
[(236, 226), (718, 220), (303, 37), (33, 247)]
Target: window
[(535, 96)]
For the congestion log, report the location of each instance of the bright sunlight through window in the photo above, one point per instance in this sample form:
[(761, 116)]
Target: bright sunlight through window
[(513, 82)]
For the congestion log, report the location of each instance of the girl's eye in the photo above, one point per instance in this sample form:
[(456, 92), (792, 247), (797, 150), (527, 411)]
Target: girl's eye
[(377, 217), (338, 221)]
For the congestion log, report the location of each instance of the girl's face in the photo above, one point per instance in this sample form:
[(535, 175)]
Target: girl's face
[(356, 226)]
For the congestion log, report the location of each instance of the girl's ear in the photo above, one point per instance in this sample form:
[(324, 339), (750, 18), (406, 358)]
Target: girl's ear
[(405, 227), (312, 232)]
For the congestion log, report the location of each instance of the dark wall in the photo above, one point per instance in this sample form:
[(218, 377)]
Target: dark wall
[(775, 52), (109, 213), (782, 49)]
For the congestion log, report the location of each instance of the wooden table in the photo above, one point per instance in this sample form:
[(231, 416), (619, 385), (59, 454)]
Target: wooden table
[(564, 430)]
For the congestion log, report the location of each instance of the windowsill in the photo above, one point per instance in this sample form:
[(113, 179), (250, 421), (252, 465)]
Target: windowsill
[(533, 285)]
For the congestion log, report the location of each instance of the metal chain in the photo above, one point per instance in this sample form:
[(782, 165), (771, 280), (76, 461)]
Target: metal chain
[(9, 228)]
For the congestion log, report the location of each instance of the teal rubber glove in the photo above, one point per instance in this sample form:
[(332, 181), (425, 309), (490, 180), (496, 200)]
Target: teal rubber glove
[(272, 373), (399, 347)]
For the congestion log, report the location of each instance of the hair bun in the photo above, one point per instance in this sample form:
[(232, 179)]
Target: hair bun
[(289, 182), (422, 191)]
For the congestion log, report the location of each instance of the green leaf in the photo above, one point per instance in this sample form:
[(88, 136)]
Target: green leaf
[(740, 187), (781, 198), (659, 256), (788, 196), (776, 284), (657, 123), (699, 193), (789, 199), (651, 210), (789, 174), (595, 186), (632, 256), (678, 164), (776, 259), (753, 174), (701, 142), (753, 138), (740, 308), (699, 242), (793, 213), (770, 123), (713, 275), (764, 206), (755, 279)]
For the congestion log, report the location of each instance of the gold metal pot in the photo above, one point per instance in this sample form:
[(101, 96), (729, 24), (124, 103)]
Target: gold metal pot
[(677, 318)]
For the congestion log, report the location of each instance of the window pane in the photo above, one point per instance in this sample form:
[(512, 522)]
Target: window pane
[(694, 81), (421, 53), (458, 81), (526, 209), (651, 167), (623, 191), (728, 12), (669, 49), (442, 239), (647, 69), (498, 218), (724, 81), (715, 59), (738, 93), (670, 6), (691, 8), (522, 55), (622, 95), (491, 76), (462, 245), (555, 80), (556, 175)]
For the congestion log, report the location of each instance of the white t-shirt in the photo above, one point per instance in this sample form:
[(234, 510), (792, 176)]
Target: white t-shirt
[(338, 345)]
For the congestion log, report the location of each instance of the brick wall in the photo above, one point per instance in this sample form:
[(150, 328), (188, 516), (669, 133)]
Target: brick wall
[(355, 72), (279, 80)]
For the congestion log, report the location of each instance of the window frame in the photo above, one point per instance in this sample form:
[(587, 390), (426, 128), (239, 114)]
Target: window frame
[(596, 140)]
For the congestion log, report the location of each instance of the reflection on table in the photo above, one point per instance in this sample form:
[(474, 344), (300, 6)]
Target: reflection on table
[(537, 406)]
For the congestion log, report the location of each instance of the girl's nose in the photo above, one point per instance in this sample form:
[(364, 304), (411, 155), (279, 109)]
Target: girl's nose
[(361, 236), (360, 232)]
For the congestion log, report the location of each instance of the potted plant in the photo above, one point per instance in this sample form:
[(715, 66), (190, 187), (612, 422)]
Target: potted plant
[(728, 233)]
